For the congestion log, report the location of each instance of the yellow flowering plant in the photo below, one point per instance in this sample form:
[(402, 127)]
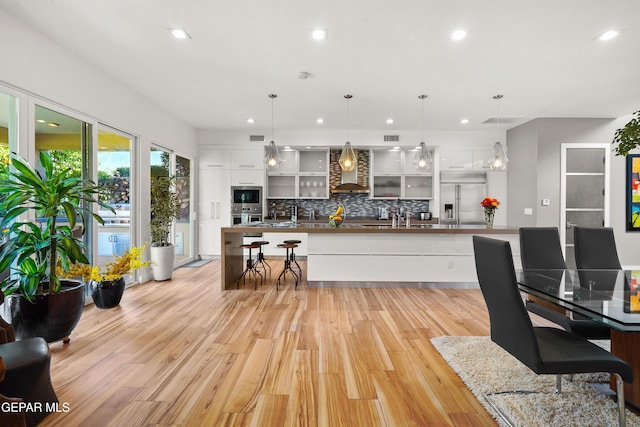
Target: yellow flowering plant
[(115, 270)]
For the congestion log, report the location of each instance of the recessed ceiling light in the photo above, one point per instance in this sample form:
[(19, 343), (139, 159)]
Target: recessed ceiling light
[(464, 121), (53, 125), (41, 121), (396, 147), (287, 147), (458, 35), (320, 121), (179, 33), (608, 35), (308, 147), (389, 121), (319, 33), (250, 120)]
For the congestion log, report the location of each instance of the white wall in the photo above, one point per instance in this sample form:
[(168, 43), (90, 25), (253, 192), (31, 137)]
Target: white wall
[(534, 174), (42, 70), (320, 137)]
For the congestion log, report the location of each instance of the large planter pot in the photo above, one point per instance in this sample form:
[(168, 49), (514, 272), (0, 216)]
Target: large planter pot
[(108, 293), (162, 260), (51, 316)]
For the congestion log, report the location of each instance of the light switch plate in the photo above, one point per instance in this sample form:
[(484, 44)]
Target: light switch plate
[(528, 211), (546, 202)]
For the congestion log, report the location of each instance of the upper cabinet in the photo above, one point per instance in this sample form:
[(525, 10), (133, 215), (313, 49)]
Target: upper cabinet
[(387, 162), (302, 174), (472, 159), (214, 159), (482, 158), (394, 176), (247, 159)]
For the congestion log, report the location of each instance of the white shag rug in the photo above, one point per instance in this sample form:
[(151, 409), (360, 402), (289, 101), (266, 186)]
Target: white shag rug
[(485, 368)]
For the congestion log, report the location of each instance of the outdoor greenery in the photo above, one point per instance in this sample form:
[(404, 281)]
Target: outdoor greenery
[(32, 250), (628, 137)]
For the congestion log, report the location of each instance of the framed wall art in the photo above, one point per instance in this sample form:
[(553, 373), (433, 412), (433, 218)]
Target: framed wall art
[(633, 192)]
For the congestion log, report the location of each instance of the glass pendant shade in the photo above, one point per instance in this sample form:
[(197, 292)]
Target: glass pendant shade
[(500, 160), (423, 160), (348, 159), (272, 157)]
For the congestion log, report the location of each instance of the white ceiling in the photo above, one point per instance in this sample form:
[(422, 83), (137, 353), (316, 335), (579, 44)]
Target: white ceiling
[(542, 55)]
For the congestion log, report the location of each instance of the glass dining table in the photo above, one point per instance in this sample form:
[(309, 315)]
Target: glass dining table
[(610, 297)]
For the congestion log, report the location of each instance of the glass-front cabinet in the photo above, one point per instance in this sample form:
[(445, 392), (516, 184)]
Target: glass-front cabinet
[(302, 174), (313, 174), (395, 177)]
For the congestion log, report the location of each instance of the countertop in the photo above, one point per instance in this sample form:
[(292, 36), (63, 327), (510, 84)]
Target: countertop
[(356, 227)]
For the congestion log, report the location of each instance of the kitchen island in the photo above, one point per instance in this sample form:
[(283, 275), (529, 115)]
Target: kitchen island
[(371, 255)]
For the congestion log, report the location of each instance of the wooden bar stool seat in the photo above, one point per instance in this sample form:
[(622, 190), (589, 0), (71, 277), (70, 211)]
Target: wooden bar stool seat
[(260, 257), (287, 264), (251, 267), (293, 255)]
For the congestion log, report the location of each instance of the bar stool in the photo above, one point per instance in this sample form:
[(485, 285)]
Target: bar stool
[(293, 255), (287, 263), (251, 266), (260, 259)]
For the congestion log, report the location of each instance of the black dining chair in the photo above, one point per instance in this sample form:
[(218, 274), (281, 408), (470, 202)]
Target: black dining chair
[(544, 350), (540, 249), (595, 248)]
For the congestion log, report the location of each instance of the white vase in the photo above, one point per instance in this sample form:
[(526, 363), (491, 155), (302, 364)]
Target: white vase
[(162, 260)]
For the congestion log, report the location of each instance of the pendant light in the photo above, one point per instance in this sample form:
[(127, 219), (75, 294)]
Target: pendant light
[(500, 160), (272, 157), (348, 159), (423, 160)]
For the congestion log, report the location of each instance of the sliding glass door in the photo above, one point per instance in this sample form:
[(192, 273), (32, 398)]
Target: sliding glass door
[(115, 178), (164, 162)]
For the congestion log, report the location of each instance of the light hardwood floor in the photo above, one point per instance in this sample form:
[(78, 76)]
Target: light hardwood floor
[(185, 353)]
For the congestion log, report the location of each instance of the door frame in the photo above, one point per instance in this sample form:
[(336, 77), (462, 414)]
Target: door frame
[(563, 185)]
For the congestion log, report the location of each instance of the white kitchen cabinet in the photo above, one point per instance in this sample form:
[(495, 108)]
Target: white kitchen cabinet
[(308, 180), (214, 159), (418, 186), (313, 162), (275, 239), (288, 165), (313, 174), (476, 159), (482, 158), (395, 177), (456, 159), (247, 177), (386, 162), (214, 209), (247, 159), (281, 186)]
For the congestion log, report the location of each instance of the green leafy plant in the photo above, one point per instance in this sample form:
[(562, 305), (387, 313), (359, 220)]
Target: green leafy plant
[(165, 208), (32, 250), (628, 137)]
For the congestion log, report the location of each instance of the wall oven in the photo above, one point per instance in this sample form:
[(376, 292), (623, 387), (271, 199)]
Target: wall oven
[(247, 200)]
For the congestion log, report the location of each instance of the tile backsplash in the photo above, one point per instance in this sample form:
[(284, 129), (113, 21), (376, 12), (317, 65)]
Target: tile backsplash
[(356, 205)]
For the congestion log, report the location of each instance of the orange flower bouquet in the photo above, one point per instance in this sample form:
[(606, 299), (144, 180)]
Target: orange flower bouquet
[(490, 205)]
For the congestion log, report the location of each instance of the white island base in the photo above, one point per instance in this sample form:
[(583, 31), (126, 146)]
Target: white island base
[(396, 260), (361, 255)]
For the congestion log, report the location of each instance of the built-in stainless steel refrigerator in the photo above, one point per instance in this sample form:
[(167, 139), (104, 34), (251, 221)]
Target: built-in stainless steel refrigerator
[(460, 195)]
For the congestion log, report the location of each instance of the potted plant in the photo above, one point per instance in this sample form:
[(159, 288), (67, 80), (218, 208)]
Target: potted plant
[(38, 303), (165, 208), (107, 286), (628, 137)]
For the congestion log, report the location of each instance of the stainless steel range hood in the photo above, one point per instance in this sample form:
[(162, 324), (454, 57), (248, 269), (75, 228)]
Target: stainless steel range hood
[(350, 183)]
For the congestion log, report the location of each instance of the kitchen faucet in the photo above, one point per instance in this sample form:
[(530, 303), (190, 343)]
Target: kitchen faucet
[(274, 214)]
